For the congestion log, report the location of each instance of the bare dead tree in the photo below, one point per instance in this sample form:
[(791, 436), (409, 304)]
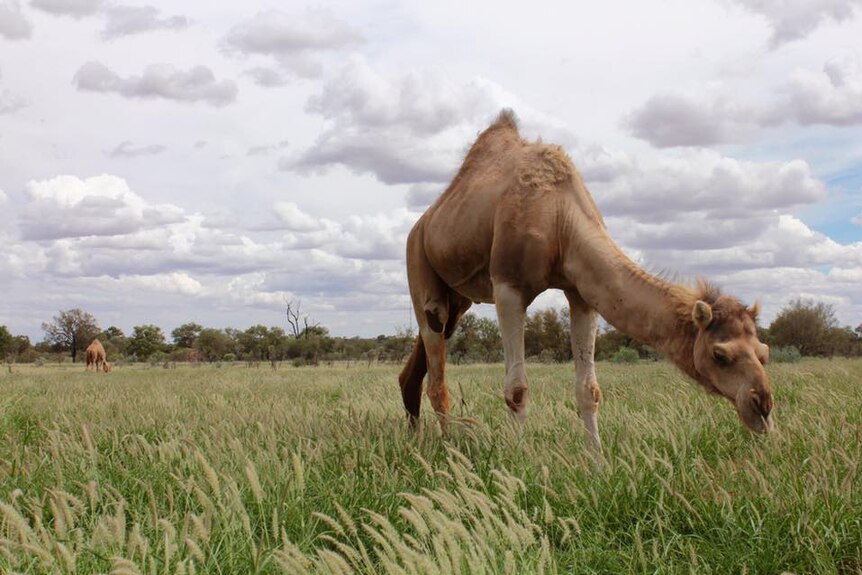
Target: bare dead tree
[(293, 312), (295, 319)]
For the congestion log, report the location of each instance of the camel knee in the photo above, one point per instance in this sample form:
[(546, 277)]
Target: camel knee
[(589, 396), (516, 397)]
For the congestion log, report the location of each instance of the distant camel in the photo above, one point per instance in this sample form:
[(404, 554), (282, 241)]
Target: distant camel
[(96, 357), (517, 220)]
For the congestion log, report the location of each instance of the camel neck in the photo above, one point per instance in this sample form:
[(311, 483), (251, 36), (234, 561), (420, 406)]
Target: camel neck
[(647, 308)]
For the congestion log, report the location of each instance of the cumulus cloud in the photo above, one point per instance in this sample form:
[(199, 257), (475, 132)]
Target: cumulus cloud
[(778, 241), (706, 182), (293, 40), (409, 129), (198, 84), (13, 24), (129, 150), (420, 196), (668, 119), (294, 219), (127, 20), (67, 207), (267, 77), (830, 96), (795, 19), (172, 282), (73, 8), (363, 237)]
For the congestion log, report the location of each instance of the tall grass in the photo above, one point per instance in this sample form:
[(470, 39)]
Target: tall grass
[(312, 470)]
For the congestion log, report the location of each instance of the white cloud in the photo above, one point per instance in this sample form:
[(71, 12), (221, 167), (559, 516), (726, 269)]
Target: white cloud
[(13, 24), (267, 77), (127, 20), (129, 150), (795, 19), (3, 196), (172, 282), (703, 181), (783, 241), (420, 196), (294, 219), (73, 8), (408, 130), (198, 84), (363, 237), (294, 40), (668, 119), (831, 96), (67, 207)]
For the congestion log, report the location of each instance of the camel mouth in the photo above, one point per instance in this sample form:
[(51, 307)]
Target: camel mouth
[(755, 410)]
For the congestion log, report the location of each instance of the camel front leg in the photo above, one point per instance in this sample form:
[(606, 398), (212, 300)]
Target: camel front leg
[(511, 315), (584, 325), (435, 351)]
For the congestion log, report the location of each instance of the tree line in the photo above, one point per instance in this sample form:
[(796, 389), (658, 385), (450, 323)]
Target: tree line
[(801, 328)]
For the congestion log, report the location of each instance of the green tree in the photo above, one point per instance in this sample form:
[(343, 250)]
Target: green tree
[(114, 340), (7, 342), (213, 344), (72, 330), (261, 343), (805, 325), (546, 335), (186, 334), (476, 339), (145, 341), (490, 341)]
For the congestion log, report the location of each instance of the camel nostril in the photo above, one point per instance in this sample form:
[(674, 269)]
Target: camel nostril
[(763, 404)]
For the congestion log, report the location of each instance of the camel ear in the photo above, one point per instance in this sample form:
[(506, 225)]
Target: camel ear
[(754, 310), (701, 314)]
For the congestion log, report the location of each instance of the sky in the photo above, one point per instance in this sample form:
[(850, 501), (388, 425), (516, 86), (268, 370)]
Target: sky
[(164, 162)]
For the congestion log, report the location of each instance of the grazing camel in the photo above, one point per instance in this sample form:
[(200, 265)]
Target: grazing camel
[(517, 220), (96, 357)]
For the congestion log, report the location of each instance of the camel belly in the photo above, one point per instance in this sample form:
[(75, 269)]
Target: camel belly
[(477, 288)]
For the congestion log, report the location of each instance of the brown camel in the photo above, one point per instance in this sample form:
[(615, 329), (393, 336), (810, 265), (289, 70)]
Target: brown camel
[(96, 357), (517, 220)]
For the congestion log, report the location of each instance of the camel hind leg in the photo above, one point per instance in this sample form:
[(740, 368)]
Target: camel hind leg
[(438, 310), (414, 372), (411, 381)]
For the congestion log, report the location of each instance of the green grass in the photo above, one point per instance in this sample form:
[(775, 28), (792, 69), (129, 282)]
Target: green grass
[(312, 470)]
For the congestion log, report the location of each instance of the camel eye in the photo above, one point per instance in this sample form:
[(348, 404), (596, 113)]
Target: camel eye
[(721, 357)]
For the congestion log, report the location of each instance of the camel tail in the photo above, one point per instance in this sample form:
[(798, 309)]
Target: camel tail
[(411, 380)]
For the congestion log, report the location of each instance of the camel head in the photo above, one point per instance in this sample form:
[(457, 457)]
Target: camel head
[(729, 359), (106, 366)]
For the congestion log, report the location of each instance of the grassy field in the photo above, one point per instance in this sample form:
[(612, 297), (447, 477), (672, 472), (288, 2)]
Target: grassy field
[(312, 470)]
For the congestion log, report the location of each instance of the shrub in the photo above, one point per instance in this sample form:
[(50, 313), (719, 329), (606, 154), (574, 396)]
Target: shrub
[(625, 355), (787, 354)]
